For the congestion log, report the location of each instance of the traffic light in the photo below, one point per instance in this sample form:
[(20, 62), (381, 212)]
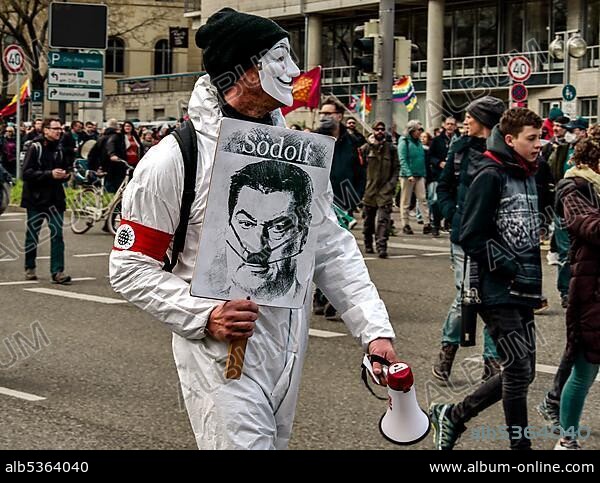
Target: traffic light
[(402, 57), (404, 51), (367, 47)]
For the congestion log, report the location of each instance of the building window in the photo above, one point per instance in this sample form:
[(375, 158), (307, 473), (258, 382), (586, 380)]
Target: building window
[(545, 106), (537, 17), (163, 58), (132, 114), (296, 32), (559, 16), (513, 26), (192, 5), (115, 56), (589, 109), (159, 112), (591, 31)]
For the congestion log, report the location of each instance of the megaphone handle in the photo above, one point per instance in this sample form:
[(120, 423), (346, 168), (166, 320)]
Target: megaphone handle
[(235, 359)]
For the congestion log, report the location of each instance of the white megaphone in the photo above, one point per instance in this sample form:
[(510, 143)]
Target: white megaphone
[(404, 422)]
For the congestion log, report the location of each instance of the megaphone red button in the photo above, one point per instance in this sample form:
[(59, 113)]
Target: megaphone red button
[(400, 377)]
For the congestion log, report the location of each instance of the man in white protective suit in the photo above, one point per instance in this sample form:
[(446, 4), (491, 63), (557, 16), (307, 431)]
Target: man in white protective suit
[(249, 76)]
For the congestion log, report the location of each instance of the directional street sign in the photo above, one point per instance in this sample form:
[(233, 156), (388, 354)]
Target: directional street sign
[(75, 77), (82, 94), (71, 60)]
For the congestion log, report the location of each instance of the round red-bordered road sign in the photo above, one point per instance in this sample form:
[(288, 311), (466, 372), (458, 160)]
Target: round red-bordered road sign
[(519, 92), (13, 58), (519, 68)]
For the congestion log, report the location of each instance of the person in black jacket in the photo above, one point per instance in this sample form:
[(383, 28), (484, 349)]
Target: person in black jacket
[(500, 232), (438, 153), (44, 171), (454, 181)]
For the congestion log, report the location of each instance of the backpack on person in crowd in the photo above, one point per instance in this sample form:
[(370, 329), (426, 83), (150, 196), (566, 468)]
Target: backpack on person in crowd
[(188, 144)]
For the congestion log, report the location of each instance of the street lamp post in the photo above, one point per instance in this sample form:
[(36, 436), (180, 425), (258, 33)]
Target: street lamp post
[(566, 44)]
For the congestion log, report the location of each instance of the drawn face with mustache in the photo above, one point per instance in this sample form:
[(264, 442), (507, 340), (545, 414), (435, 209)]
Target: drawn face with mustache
[(277, 71), (264, 239)]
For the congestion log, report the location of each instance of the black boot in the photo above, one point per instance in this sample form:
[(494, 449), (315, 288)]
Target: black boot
[(443, 366)]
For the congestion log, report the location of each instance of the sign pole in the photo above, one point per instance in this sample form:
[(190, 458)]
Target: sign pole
[(18, 159)]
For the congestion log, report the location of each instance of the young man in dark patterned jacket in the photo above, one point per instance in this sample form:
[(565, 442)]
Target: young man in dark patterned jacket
[(500, 232)]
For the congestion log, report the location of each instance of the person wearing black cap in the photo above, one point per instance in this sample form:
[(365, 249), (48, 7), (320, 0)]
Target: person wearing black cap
[(250, 74), (481, 116)]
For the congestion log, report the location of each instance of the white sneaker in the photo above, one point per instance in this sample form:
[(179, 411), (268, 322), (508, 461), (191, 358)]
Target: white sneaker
[(567, 443), (552, 258)]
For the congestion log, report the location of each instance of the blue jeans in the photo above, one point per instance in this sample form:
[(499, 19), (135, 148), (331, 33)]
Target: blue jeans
[(451, 328)]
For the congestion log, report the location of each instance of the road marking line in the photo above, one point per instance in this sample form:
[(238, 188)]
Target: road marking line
[(21, 395), (435, 254), (422, 248), (543, 368), (324, 333), (22, 282), (20, 220), (44, 258), (8, 259), (87, 255), (83, 279), (78, 296)]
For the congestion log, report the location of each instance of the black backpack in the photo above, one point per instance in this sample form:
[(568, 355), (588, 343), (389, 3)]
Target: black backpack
[(94, 157), (188, 144)]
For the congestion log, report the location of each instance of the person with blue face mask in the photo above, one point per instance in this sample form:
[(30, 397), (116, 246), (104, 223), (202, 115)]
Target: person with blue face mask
[(250, 71)]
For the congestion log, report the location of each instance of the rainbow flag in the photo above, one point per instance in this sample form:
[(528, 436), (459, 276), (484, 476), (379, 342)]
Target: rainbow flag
[(403, 90)]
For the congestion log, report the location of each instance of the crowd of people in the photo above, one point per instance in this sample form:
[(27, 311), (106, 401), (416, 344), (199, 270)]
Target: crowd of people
[(503, 183)]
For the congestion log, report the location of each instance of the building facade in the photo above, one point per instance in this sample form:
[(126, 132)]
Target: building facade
[(477, 39)]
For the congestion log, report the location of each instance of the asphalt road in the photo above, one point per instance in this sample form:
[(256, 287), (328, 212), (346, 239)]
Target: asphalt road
[(92, 372)]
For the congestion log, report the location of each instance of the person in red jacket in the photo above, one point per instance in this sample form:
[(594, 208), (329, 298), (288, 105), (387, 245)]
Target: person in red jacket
[(579, 200)]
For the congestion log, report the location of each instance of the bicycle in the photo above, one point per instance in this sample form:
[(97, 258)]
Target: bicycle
[(87, 208)]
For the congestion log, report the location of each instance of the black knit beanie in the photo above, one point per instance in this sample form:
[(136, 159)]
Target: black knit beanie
[(233, 42), (488, 110)]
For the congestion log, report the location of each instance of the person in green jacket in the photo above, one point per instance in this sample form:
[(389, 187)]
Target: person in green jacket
[(412, 175)]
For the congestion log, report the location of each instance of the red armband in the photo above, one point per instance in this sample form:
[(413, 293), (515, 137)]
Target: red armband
[(139, 238)]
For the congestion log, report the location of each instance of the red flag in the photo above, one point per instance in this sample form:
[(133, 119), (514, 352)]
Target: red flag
[(306, 91), (11, 108)]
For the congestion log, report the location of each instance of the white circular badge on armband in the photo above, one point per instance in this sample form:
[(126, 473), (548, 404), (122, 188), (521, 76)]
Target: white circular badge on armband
[(125, 237)]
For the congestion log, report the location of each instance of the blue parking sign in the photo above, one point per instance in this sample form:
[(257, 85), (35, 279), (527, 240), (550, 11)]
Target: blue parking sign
[(37, 96)]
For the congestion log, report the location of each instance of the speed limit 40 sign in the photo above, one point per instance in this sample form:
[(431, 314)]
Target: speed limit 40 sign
[(14, 58), (519, 68)]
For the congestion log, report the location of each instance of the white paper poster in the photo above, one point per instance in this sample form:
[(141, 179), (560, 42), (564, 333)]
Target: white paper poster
[(266, 200)]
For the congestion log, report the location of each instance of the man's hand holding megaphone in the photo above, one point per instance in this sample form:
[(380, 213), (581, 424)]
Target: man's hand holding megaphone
[(382, 348)]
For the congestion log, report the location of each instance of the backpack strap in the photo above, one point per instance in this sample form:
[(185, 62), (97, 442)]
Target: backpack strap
[(188, 144)]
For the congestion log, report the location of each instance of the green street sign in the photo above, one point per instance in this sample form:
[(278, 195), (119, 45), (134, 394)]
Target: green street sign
[(71, 60)]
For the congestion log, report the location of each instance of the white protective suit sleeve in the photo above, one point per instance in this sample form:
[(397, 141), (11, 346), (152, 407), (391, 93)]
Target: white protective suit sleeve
[(140, 278), (342, 275)]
